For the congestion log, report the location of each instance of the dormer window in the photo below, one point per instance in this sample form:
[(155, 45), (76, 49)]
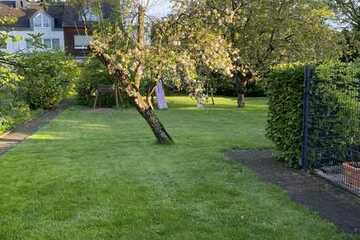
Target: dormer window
[(41, 20), (89, 15)]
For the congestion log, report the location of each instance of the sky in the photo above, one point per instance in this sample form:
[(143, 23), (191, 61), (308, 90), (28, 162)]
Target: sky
[(159, 8)]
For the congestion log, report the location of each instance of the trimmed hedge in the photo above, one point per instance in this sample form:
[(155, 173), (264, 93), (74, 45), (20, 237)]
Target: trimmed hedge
[(335, 113), (334, 110), (285, 85)]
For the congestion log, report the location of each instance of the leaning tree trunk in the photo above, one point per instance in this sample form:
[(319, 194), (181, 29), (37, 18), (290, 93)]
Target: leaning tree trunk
[(133, 93), (153, 121)]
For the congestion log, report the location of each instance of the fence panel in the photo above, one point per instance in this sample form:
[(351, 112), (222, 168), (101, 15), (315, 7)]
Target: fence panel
[(332, 128)]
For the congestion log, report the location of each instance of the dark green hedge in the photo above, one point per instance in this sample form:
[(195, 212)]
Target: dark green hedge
[(285, 91), (334, 111)]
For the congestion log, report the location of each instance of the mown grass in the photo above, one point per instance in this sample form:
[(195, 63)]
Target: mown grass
[(100, 175)]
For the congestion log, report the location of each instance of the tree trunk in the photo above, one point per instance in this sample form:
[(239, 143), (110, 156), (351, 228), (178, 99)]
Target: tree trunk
[(241, 100), (241, 95), (133, 93), (241, 82), (139, 72), (240, 90), (153, 121)]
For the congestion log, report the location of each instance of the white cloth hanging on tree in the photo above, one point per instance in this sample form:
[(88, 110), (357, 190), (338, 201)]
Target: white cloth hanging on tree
[(160, 96)]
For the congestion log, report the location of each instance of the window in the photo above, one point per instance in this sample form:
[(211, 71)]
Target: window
[(45, 22), (37, 20), (41, 20), (56, 43), (47, 43), (29, 43), (81, 41), (89, 15)]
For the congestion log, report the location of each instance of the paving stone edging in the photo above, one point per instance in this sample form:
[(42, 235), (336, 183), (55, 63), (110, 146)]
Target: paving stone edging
[(20, 133)]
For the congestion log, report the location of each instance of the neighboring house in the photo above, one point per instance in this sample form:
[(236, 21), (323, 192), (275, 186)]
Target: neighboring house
[(61, 26)]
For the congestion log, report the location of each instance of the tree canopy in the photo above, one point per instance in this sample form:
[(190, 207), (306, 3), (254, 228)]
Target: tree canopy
[(263, 33)]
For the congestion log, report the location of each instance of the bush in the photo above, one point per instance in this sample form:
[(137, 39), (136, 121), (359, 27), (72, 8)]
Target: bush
[(12, 109), (256, 89), (93, 73), (334, 110), (12, 113), (48, 77), (225, 86)]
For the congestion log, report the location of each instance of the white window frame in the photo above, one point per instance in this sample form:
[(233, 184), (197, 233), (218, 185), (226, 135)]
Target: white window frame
[(52, 43), (44, 20), (81, 46)]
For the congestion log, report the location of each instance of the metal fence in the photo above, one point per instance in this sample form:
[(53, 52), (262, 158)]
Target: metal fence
[(331, 130)]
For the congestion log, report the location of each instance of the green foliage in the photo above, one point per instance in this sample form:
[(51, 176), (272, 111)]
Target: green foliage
[(285, 92), (93, 73), (334, 110), (48, 76), (12, 112), (12, 109)]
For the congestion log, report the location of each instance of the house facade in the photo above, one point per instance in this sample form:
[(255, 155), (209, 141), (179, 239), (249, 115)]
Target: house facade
[(59, 26)]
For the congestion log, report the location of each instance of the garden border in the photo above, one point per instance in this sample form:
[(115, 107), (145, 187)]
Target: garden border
[(10, 139)]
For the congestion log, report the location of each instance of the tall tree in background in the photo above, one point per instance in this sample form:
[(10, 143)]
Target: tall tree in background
[(348, 12), (263, 33)]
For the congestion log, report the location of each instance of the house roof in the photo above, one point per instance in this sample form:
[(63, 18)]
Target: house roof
[(9, 3), (64, 15)]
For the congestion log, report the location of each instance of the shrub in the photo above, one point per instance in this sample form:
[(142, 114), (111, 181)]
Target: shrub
[(12, 109), (93, 73), (334, 111), (47, 78), (256, 89)]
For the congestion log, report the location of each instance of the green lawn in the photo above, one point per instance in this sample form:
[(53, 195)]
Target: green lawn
[(101, 176)]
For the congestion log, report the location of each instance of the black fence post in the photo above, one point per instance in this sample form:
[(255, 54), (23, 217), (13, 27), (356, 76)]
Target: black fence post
[(308, 77)]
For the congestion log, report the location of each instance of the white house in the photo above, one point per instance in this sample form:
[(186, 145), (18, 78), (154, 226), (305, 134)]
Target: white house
[(32, 21), (60, 25)]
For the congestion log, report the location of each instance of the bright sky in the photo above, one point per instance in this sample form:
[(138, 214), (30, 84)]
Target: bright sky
[(160, 8)]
